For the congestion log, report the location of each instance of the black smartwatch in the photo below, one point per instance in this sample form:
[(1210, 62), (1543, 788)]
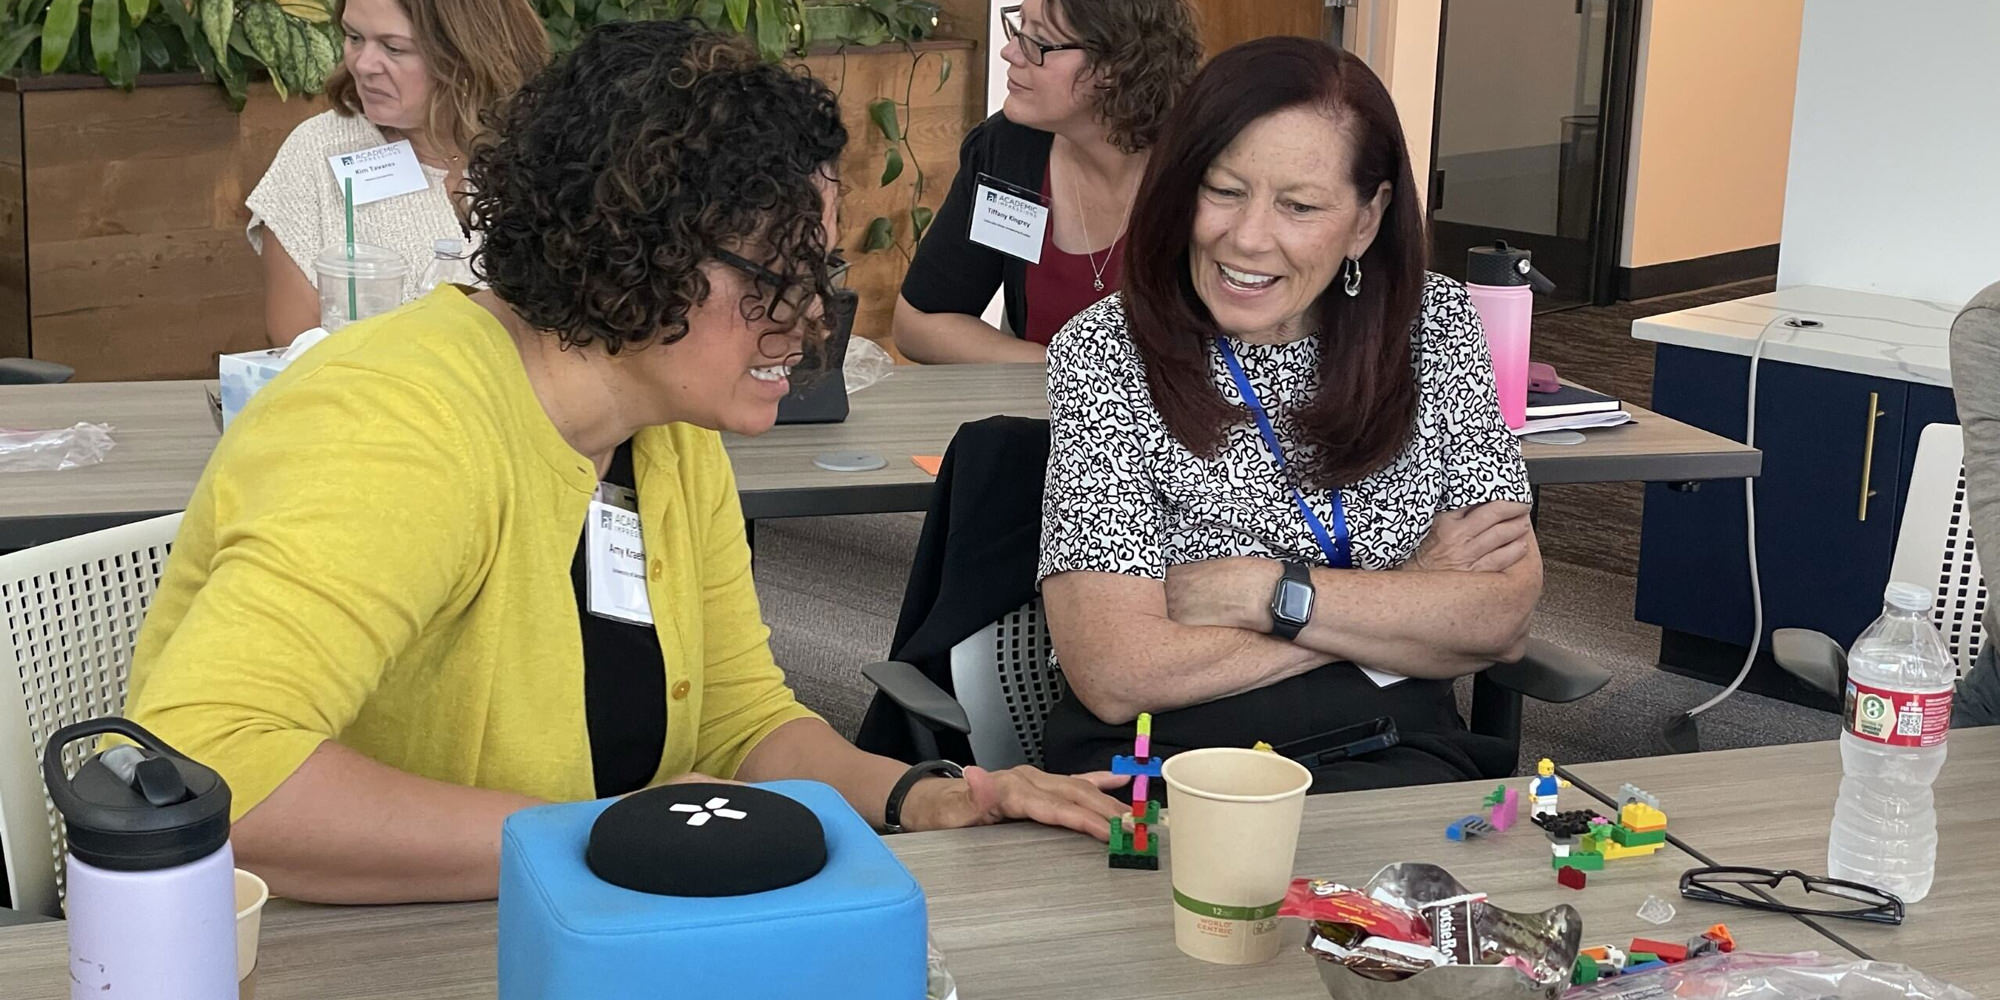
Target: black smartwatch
[(892, 810), (1292, 601)]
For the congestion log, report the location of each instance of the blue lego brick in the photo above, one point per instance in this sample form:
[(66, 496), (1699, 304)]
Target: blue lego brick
[(1123, 764)]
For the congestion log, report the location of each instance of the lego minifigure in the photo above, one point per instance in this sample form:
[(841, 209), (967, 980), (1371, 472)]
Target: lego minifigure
[(1543, 789)]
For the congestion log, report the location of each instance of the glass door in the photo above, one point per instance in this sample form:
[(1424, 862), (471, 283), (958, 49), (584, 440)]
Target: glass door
[(1530, 136)]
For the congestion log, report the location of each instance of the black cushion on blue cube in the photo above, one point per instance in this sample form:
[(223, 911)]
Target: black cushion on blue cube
[(704, 839)]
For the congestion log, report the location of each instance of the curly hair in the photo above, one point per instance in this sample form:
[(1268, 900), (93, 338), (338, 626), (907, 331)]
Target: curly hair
[(1146, 52), (608, 180)]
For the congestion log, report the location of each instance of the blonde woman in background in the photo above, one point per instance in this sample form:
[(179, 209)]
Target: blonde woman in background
[(417, 70)]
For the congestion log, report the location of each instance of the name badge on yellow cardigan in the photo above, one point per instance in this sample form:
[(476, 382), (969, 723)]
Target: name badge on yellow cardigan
[(615, 557)]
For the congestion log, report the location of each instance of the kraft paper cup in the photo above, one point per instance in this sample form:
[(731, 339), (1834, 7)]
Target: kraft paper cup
[(251, 895), (1235, 829)]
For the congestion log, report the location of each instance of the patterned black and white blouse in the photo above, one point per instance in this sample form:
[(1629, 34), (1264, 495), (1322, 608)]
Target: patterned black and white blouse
[(1124, 496)]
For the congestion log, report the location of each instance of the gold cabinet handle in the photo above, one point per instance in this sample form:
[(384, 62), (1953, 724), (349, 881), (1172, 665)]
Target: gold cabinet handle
[(1868, 453)]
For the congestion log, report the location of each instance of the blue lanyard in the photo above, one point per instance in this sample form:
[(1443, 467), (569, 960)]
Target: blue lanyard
[(1338, 554)]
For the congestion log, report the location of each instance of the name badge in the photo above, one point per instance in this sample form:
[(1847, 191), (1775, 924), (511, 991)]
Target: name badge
[(615, 557), (382, 172), (1009, 218)]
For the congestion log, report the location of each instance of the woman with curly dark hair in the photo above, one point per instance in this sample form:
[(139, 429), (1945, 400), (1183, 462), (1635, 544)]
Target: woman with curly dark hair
[(1089, 83), (485, 551)]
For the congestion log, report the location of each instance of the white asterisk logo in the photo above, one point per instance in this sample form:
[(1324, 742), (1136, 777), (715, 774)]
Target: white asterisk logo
[(713, 807)]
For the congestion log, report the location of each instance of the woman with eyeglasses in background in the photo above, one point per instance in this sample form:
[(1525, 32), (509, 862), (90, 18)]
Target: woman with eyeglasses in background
[(1089, 83)]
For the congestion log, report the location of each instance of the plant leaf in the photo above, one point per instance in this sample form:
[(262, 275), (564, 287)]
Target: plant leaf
[(920, 221), (153, 48), (892, 166), (944, 73), (128, 58), (15, 45), (882, 111), (218, 17), (58, 28), (881, 235), (105, 23), (739, 13), (137, 10)]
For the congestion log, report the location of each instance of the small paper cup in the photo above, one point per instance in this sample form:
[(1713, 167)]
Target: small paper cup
[(1235, 830), (251, 895)]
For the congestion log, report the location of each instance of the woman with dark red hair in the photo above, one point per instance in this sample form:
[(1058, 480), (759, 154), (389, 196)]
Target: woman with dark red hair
[(1281, 500)]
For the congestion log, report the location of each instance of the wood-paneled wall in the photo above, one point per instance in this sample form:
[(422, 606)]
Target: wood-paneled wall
[(131, 261), (938, 119), (121, 215), (1227, 22)]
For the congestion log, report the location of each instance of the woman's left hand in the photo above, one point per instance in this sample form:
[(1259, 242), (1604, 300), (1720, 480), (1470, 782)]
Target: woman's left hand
[(984, 797), (1233, 592)]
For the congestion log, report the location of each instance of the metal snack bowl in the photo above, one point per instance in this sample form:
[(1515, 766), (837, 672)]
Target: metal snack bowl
[(1549, 940)]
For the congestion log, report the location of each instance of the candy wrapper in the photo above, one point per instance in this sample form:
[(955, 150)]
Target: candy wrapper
[(1459, 945)]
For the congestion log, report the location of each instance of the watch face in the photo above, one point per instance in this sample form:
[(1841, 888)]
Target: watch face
[(1293, 603)]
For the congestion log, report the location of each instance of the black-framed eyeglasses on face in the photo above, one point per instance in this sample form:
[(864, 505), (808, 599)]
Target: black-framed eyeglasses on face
[(1738, 886), (1034, 48), (790, 296)]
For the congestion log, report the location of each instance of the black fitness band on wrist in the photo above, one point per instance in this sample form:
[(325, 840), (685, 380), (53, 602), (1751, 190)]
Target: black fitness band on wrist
[(892, 810)]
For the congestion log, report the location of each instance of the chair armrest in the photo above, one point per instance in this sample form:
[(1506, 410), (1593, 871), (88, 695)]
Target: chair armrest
[(1550, 673), (29, 371), (1812, 657), (918, 695)]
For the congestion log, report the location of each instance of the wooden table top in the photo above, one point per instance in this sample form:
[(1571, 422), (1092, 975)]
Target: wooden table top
[(1772, 807), (1018, 911), (165, 432)]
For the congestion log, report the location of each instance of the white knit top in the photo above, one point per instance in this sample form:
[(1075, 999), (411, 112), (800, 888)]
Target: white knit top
[(299, 201)]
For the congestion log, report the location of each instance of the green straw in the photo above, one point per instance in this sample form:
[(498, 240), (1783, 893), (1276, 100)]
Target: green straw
[(349, 194)]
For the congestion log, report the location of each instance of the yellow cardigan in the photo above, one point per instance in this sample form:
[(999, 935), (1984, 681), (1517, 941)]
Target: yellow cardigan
[(379, 553)]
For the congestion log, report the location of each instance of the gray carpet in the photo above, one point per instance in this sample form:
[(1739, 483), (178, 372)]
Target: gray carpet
[(831, 588)]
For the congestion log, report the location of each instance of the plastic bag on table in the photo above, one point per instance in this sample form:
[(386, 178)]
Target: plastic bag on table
[(1751, 976), (54, 450), (867, 363)]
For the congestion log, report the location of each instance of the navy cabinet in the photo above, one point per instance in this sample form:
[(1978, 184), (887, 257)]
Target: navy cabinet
[(1838, 448)]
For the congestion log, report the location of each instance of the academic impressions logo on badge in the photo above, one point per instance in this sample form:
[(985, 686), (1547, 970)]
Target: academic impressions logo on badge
[(992, 195), (347, 161), (702, 813)]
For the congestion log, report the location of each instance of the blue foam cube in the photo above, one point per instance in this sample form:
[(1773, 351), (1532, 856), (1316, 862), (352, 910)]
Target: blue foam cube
[(855, 931)]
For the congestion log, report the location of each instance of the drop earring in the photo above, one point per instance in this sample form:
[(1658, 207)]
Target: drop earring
[(1352, 269)]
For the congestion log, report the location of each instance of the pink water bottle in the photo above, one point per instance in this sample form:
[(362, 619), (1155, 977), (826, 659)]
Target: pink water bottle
[(151, 878), (1502, 282)]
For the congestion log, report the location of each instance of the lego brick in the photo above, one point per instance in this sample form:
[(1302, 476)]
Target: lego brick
[(1645, 966), (1148, 766), (1721, 936), (1629, 792), (1599, 952), (1136, 862), (1614, 852), (1506, 811), (1150, 815), (1139, 788), (1494, 797), (1570, 876), (1638, 958), (1666, 950), (1467, 828), (1119, 840), (1637, 838), (1577, 859), (1586, 971), (1140, 839), (1642, 817)]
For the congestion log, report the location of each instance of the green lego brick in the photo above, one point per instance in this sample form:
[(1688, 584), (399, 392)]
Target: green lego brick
[(1633, 838), (1586, 971), (1121, 839), (1152, 816), (1578, 859), (1640, 958)]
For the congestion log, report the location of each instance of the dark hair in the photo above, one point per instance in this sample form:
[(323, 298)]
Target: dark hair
[(1366, 401), (608, 180), (1146, 51)]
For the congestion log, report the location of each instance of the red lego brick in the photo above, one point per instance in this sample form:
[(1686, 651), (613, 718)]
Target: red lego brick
[(1139, 839), (1571, 877), (1666, 951)]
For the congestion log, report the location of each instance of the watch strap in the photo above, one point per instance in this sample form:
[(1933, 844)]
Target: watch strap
[(892, 810)]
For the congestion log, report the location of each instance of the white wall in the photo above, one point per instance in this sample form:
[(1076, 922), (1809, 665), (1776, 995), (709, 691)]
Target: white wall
[(1895, 168)]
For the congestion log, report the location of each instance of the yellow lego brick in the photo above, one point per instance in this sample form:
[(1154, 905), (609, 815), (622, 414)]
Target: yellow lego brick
[(1641, 818), (1613, 852)]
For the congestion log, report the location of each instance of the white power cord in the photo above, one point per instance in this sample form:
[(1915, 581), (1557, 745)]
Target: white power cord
[(1749, 530)]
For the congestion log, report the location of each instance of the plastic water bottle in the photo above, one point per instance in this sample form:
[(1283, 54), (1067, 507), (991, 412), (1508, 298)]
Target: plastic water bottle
[(1897, 713), (448, 266)]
